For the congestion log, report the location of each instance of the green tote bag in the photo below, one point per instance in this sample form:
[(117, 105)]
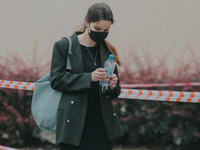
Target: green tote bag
[(45, 100)]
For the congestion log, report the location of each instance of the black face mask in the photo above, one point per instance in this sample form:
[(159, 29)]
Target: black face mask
[(97, 36)]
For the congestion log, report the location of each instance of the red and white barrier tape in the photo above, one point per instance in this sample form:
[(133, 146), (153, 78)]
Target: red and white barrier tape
[(172, 96), (160, 84), (7, 148), (30, 86), (17, 85)]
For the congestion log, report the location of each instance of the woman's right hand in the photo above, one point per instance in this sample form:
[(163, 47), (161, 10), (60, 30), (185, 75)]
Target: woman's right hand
[(99, 75)]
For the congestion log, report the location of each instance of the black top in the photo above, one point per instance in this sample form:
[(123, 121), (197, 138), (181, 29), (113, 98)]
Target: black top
[(94, 119), (88, 63), (94, 134)]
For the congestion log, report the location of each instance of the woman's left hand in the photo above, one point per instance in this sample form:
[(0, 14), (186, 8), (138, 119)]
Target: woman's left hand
[(113, 81)]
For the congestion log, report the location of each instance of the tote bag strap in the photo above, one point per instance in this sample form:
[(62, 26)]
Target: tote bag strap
[(69, 67)]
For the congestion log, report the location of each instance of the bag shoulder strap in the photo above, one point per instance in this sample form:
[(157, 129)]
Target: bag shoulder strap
[(69, 67)]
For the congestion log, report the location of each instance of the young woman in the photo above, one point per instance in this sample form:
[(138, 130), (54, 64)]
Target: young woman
[(86, 118)]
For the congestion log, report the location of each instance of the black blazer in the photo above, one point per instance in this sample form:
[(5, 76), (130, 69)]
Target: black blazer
[(73, 104)]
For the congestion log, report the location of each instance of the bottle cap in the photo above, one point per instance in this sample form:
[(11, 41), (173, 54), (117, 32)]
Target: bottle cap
[(111, 56)]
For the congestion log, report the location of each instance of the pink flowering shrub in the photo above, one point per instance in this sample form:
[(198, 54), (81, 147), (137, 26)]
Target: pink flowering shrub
[(16, 121), (153, 124), (146, 124)]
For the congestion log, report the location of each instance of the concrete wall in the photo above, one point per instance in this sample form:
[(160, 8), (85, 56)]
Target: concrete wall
[(159, 23)]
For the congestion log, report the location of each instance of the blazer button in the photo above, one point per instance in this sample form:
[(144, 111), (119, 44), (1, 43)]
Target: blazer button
[(107, 97), (114, 114), (68, 121), (72, 102)]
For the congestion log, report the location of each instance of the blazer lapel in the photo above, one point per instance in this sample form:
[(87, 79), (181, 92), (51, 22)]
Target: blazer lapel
[(76, 59), (76, 55)]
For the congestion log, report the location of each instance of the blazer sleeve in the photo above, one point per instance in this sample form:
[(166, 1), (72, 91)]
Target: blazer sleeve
[(60, 79), (117, 90)]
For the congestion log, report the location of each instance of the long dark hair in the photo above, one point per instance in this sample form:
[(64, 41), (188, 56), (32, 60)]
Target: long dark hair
[(97, 12)]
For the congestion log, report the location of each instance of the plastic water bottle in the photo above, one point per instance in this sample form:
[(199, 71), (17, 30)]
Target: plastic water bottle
[(109, 67)]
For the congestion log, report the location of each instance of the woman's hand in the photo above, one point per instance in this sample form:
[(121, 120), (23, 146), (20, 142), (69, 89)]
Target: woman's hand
[(99, 75), (113, 81)]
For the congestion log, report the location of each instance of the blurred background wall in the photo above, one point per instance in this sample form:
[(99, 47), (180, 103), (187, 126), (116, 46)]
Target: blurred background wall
[(143, 28), (156, 24)]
